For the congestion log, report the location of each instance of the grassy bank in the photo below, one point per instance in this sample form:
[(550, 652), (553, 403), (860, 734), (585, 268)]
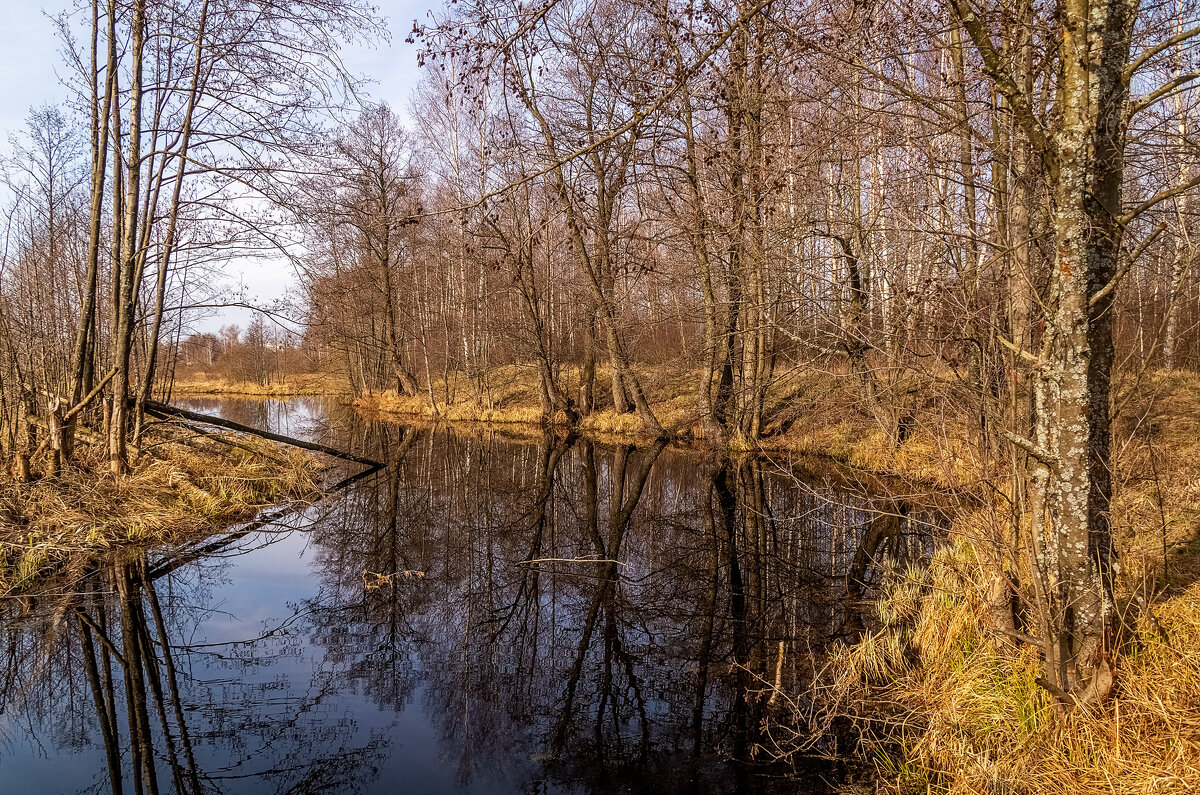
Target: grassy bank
[(182, 488), (298, 385), (944, 702), (940, 700), (809, 412), (509, 396)]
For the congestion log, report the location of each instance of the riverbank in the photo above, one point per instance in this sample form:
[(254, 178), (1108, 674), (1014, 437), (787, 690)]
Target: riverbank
[(463, 520), (811, 412), (297, 385), (943, 701), (182, 487)]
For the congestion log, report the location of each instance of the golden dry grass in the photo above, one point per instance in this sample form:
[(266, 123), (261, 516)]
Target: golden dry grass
[(945, 703), (177, 491), (509, 397), (822, 418), (298, 385), (1157, 458)]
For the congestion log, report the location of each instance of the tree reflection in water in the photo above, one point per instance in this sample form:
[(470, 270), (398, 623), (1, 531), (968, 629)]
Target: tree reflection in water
[(484, 615)]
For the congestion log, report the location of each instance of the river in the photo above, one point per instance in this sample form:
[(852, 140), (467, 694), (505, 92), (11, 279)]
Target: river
[(487, 614)]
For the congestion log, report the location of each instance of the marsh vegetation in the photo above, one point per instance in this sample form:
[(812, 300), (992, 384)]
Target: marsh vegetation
[(947, 248)]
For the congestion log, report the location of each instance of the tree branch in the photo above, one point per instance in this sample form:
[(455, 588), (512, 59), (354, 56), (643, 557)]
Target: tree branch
[(994, 67), (1162, 46), (1132, 258), (1161, 196), (1033, 450)]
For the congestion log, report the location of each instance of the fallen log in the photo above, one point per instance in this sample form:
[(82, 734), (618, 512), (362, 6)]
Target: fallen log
[(165, 410), (183, 557)]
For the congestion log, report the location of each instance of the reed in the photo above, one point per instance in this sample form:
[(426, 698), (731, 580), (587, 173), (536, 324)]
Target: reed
[(939, 700)]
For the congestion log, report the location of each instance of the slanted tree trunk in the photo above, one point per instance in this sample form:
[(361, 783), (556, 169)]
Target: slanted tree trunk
[(168, 245), (129, 260), (85, 334), (596, 260)]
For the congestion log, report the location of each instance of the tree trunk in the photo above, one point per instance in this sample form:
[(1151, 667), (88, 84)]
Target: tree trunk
[(129, 258), (1070, 480)]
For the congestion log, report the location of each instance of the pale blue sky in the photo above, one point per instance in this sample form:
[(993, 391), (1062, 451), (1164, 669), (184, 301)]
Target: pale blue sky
[(28, 57), (30, 76)]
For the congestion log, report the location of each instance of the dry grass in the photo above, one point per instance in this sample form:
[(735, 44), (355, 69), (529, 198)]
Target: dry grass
[(509, 397), (1157, 458), (929, 456), (808, 412), (945, 705), (298, 385), (942, 702), (183, 488)]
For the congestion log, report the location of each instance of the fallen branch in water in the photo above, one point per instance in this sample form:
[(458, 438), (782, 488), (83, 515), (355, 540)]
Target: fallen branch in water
[(160, 409), (372, 580)]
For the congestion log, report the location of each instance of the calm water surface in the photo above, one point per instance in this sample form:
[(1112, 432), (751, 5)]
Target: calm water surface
[(484, 615)]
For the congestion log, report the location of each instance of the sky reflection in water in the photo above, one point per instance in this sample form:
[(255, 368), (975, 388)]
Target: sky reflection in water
[(483, 616)]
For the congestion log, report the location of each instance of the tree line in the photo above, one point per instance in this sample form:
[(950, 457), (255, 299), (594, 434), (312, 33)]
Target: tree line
[(263, 354), (970, 215), (182, 119)]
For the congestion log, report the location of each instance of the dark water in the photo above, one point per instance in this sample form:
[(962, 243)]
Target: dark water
[(553, 616)]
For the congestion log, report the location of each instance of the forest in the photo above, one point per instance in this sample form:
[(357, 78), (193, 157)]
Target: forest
[(943, 246)]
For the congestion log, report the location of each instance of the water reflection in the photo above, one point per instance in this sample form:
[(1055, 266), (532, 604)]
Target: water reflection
[(484, 615), (299, 417)]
